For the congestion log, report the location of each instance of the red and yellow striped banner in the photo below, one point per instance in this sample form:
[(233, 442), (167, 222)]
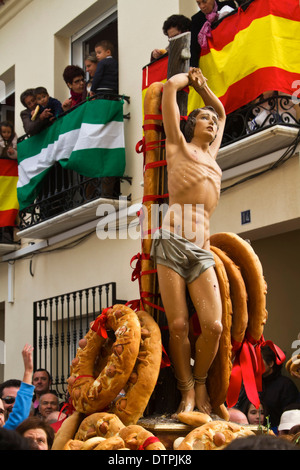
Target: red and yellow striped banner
[(9, 205), (250, 52), (156, 71)]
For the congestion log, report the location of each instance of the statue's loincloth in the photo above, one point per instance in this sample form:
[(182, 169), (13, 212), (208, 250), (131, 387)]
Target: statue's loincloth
[(180, 255)]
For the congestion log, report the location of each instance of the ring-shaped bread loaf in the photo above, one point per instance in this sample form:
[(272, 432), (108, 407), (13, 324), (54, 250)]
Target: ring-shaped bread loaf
[(111, 443), (243, 255), (99, 424), (138, 438), (67, 430), (91, 394), (73, 444), (92, 443), (219, 372), (238, 295), (130, 407), (213, 436), (293, 365)]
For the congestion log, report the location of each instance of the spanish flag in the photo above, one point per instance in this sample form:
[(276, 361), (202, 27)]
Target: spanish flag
[(156, 71), (9, 205), (251, 52)]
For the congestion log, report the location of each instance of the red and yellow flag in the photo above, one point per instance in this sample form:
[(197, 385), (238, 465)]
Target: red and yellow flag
[(156, 71), (9, 205), (250, 52)]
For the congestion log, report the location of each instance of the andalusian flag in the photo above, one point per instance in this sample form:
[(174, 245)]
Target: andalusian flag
[(9, 205), (252, 52), (88, 140)]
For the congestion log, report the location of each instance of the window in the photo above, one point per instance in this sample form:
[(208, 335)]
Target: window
[(83, 42), (7, 96)]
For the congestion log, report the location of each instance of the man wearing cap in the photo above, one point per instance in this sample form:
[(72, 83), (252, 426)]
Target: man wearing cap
[(288, 421)]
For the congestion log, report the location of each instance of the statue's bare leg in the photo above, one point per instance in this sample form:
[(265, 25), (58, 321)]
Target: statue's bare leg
[(173, 293), (205, 295)]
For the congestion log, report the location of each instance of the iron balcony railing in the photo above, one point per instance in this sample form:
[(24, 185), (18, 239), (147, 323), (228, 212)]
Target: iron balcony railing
[(60, 322), (64, 190), (263, 113)]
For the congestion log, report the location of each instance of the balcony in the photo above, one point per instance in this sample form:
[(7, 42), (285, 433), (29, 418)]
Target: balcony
[(66, 200), (258, 129)]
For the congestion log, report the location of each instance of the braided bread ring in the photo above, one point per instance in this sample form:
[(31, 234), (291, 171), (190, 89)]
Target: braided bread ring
[(67, 430), (144, 376), (111, 443), (238, 295), (90, 394), (293, 365), (243, 255), (136, 437), (73, 444), (220, 369), (214, 435), (99, 424)]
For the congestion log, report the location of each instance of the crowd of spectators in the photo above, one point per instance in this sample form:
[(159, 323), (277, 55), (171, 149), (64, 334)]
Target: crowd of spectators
[(41, 109), (31, 412)]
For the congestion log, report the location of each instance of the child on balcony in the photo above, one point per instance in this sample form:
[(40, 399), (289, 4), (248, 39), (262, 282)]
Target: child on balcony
[(33, 127), (106, 76), (45, 101), (8, 141)]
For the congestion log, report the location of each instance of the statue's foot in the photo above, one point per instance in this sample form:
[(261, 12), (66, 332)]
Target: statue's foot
[(187, 402), (202, 398)]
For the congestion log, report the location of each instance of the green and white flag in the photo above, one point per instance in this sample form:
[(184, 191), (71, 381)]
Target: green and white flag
[(88, 140)]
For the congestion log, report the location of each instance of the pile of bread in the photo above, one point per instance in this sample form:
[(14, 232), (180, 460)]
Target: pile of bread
[(105, 431), (243, 291), (118, 373)]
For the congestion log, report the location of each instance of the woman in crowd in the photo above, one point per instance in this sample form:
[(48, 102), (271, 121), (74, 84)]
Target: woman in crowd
[(74, 77), (90, 67), (38, 430)]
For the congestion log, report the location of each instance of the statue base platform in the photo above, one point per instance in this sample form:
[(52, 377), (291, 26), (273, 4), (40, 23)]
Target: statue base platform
[(168, 429), (165, 428)]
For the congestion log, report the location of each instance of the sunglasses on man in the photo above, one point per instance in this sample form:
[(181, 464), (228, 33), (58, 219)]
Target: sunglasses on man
[(9, 400)]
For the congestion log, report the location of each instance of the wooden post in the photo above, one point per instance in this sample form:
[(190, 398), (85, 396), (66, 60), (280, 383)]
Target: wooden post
[(179, 62), (167, 397)]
